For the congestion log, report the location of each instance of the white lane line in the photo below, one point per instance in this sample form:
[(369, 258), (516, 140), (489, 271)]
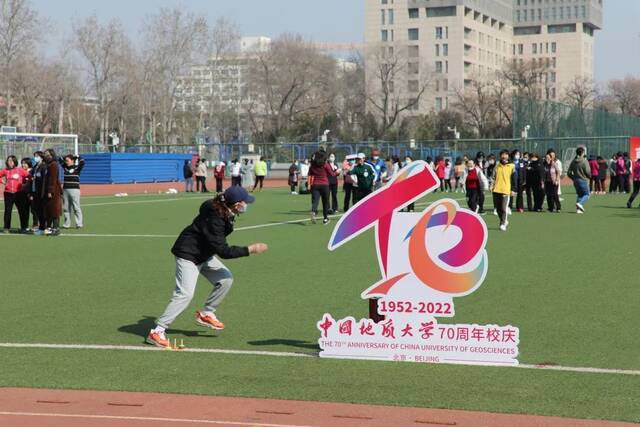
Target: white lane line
[(166, 236), (579, 369), (129, 418)]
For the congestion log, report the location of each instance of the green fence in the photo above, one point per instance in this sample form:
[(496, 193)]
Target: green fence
[(556, 120)]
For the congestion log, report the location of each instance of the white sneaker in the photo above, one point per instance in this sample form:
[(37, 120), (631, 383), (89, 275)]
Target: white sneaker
[(580, 212), (580, 208), (508, 211), (313, 217), (503, 227), (495, 212)]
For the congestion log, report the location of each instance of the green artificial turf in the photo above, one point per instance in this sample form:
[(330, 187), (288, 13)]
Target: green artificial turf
[(567, 281)]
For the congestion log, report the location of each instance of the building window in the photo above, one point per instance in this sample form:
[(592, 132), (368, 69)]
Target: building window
[(438, 33), (414, 51), (520, 49), (534, 48), (445, 49), (553, 77), (414, 13), (437, 50), (436, 12), (553, 62), (518, 15), (446, 66), (390, 15), (384, 1), (445, 84), (413, 68), (553, 47), (383, 17), (384, 35), (437, 85), (414, 34), (438, 104), (413, 86), (438, 66)]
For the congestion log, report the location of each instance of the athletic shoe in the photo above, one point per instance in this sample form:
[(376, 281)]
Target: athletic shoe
[(629, 205), (495, 212), (5, 231), (579, 207), (313, 217), (66, 227), (209, 321), (325, 221), (47, 231), (579, 212), (38, 232), (158, 339), (503, 227), (508, 211)]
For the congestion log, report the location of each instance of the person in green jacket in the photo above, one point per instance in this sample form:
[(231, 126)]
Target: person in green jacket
[(261, 171), (365, 175), (580, 173)]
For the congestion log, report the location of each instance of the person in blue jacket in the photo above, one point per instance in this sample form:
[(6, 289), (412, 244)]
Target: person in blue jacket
[(380, 167)]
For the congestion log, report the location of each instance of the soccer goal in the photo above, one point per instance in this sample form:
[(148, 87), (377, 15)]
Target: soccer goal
[(25, 144)]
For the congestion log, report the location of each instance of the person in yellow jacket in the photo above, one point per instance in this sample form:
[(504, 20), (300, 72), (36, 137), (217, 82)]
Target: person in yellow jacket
[(504, 184), (260, 171)]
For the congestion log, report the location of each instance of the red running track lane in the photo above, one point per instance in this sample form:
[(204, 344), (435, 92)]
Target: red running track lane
[(40, 407)]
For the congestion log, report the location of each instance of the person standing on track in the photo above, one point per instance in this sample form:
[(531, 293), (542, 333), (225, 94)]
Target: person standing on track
[(197, 250), (261, 173)]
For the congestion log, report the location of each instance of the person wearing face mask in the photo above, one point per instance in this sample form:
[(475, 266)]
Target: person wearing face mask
[(474, 182), (304, 177), (534, 183), (52, 194), (36, 197), (333, 183), (348, 185), (480, 162), (379, 166), (198, 250), (503, 183), (14, 176), (520, 171)]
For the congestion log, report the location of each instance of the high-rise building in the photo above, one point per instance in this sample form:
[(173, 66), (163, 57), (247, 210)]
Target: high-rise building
[(444, 44)]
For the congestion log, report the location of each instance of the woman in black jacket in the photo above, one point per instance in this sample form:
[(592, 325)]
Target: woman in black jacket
[(197, 250), (534, 179)]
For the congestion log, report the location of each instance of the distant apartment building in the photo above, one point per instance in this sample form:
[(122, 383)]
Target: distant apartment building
[(447, 43), (221, 83)]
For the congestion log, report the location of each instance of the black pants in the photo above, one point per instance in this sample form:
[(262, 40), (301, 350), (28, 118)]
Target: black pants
[(500, 203), (201, 184), (553, 200), (259, 180), (37, 205), (538, 196), (361, 193), (236, 180), (613, 183), (22, 204), (294, 187), (519, 199), (480, 201), (636, 190), (318, 192), (472, 198), (219, 182), (349, 196), (333, 188)]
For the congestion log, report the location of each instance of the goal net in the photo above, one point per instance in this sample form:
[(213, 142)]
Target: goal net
[(25, 144)]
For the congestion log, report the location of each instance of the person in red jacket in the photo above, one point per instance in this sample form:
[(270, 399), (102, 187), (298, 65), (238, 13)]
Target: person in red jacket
[(14, 176), (439, 170), (218, 174), (319, 174)]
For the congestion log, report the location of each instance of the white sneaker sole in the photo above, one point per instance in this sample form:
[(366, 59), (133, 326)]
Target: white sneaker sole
[(206, 325), (157, 344)]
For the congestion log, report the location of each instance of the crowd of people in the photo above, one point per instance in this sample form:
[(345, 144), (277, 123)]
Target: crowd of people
[(44, 188), (246, 174)]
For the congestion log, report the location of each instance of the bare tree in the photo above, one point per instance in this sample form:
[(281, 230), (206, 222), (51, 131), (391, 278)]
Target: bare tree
[(102, 46), (530, 79), (394, 85), (289, 80), (351, 97), (19, 33), (174, 40), (476, 102), (626, 95), (224, 37), (29, 87), (580, 93)]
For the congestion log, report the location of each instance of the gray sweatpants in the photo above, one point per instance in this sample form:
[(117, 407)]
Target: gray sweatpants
[(187, 277), (71, 201)]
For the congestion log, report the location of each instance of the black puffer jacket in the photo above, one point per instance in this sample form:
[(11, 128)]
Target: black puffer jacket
[(207, 236)]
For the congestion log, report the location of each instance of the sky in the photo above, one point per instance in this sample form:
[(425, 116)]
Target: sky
[(617, 52)]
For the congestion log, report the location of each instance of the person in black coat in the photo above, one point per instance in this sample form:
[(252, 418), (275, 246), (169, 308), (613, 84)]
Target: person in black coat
[(187, 173), (534, 186), (197, 250)]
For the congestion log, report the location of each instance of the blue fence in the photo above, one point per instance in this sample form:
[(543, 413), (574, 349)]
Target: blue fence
[(124, 168)]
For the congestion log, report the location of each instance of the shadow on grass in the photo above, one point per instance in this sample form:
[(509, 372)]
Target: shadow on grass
[(288, 343), (147, 323)]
